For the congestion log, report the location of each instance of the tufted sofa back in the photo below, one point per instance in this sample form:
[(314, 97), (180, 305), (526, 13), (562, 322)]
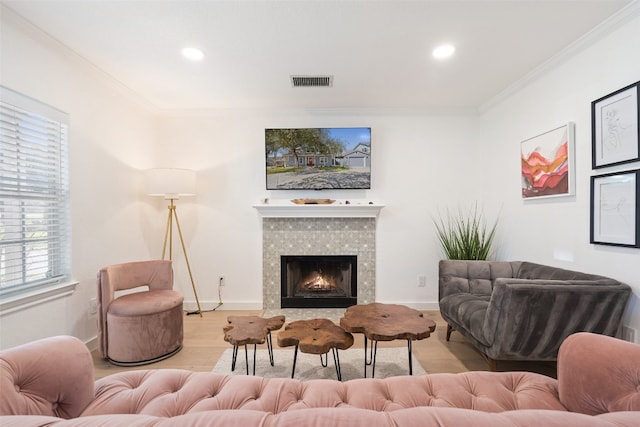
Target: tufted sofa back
[(473, 277), (169, 393)]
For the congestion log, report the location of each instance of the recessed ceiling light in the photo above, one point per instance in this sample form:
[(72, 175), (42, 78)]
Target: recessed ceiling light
[(444, 51), (192, 54)]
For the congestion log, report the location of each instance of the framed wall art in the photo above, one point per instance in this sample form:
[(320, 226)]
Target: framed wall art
[(547, 163), (615, 219), (615, 125)]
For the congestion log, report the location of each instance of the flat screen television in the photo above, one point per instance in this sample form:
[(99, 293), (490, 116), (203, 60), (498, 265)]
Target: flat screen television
[(318, 158)]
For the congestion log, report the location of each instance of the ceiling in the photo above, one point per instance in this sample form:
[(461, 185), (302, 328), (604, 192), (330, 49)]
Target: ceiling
[(378, 52)]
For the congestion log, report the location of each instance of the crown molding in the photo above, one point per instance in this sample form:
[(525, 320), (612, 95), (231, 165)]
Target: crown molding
[(12, 17), (615, 21)]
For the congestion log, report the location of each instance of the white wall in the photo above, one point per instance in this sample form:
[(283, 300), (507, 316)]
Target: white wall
[(111, 140), (419, 163), (556, 231)]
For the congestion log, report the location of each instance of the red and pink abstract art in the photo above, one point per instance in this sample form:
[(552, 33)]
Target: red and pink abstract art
[(547, 163)]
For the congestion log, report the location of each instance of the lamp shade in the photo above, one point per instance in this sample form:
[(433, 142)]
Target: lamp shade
[(171, 183)]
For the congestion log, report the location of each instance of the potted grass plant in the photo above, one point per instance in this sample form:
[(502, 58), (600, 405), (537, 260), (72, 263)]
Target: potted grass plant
[(465, 235)]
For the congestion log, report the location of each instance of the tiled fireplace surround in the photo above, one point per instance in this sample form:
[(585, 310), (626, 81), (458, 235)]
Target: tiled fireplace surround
[(318, 236)]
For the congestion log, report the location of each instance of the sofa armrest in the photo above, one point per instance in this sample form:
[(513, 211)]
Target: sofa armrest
[(598, 374), (50, 377), (532, 317)]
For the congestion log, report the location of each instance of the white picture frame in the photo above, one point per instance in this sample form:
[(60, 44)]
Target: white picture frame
[(547, 163)]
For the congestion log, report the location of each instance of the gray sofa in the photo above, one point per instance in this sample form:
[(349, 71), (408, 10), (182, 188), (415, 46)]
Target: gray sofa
[(522, 310)]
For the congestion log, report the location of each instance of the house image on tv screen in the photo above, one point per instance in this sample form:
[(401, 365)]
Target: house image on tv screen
[(360, 156), (318, 158)]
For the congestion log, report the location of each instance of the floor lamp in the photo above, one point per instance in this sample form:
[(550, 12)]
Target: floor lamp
[(171, 184)]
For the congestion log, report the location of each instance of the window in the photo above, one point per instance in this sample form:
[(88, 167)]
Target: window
[(34, 195)]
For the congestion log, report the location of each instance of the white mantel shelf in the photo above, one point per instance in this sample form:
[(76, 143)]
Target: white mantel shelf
[(289, 209)]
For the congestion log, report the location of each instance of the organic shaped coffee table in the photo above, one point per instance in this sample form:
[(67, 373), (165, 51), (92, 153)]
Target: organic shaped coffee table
[(316, 336), (386, 322), (243, 330)]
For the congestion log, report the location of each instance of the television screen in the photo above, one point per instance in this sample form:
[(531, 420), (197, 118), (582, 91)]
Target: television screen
[(318, 158)]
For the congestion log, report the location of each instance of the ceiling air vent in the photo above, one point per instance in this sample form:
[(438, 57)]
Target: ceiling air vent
[(312, 81)]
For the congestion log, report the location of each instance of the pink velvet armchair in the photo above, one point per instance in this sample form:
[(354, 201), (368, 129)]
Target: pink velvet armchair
[(141, 326)]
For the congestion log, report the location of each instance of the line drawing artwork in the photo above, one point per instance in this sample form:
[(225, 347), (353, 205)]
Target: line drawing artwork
[(616, 136), (616, 214)]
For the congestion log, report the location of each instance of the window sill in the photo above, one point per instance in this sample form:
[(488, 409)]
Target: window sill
[(40, 296)]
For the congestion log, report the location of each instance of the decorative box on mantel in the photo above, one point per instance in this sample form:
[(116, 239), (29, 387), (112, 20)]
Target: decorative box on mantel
[(288, 209), (318, 229)]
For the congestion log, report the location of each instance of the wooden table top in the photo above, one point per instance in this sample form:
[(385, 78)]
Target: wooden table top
[(315, 336), (243, 330), (387, 322)]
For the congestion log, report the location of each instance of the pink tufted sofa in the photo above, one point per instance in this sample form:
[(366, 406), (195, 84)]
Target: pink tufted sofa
[(50, 383)]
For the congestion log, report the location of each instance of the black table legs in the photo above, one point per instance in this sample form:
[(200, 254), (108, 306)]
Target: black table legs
[(323, 362), (370, 359), (234, 357)]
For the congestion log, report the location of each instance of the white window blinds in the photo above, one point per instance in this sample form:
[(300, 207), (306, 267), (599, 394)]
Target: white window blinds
[(34, 194)]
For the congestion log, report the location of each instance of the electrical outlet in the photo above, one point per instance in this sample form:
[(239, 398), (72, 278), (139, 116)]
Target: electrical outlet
[(628, 334), (221, 281), (93, 306), (422, 281)]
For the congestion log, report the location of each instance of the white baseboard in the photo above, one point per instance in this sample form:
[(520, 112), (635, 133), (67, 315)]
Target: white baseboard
[(257, 305), (226, 305), (92, 343), (422, 305)]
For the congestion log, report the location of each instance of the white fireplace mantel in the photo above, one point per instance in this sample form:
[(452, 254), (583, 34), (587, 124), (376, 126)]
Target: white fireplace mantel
[(288, 209)]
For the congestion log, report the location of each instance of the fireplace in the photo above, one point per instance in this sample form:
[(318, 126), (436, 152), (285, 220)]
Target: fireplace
[(336, 230), (318, 281)]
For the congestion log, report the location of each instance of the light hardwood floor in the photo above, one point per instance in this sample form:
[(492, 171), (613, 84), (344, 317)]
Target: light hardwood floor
[(204, 344)]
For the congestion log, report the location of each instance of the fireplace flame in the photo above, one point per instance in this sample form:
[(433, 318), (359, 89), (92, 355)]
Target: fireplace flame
[(318, 283)]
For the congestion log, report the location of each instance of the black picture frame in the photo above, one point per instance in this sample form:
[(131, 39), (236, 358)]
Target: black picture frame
[(615, 217), (615, 126)]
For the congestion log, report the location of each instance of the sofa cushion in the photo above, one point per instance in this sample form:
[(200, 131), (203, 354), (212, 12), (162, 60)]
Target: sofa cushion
[(469, 312), (145, 303), (420, 417)]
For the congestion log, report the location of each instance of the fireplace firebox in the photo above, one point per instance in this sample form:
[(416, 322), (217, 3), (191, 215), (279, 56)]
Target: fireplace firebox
[(318, 281)]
